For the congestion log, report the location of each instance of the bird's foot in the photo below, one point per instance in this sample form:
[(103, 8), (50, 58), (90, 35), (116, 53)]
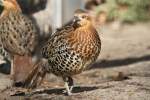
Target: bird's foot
[(68, 90), (71, 88)]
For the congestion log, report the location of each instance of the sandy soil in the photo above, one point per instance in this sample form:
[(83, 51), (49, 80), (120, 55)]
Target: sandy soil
[(122, 71)]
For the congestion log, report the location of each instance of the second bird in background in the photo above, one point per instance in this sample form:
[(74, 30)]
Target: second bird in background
[(18, 36)]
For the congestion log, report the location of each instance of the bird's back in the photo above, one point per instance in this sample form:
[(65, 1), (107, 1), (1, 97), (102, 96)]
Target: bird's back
[(18, 34)]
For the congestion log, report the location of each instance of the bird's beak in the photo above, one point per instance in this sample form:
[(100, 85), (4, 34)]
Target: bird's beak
[(76, 19), (1, 3)]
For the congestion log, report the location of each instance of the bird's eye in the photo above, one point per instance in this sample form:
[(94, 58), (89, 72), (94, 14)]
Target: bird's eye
[(83, 16)]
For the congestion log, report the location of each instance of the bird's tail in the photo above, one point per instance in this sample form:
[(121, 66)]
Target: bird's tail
[(37, 75)]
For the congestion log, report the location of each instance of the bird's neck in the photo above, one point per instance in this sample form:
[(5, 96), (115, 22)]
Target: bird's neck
[(85, 29), (7, 11)]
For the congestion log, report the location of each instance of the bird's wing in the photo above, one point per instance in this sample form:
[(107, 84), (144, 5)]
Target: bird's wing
[(57, 41)]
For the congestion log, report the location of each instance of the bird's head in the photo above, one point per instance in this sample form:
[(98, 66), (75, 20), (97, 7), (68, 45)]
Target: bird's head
[(10, 5), (82, 18)]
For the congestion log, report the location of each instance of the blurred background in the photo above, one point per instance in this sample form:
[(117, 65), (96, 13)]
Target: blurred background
[(124, 28), (111, 17)]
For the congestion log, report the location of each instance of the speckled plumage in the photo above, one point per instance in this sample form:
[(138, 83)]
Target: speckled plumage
[(69, 51), (19, 37), (17, 33), (3, 53)]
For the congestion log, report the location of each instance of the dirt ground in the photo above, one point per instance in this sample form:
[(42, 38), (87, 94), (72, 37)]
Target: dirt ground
[(122, 71)]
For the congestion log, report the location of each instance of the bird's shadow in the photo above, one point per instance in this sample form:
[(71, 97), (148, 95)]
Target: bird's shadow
[(56, 91), (120, 62), (60, 91)]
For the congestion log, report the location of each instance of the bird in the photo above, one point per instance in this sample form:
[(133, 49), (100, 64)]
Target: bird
[(69, 51), (19, 38)]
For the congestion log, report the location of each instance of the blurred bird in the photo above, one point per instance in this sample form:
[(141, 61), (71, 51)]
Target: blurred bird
[(18, 37), (69, 51)]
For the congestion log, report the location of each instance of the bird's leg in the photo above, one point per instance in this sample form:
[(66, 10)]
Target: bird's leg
[(12, 70), (12, 67), (68, 84), (67, 88)]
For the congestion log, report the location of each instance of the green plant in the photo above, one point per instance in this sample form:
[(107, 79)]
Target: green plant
[(126, 10)]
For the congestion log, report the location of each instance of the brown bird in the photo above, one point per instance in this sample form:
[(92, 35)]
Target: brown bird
[(69, 51), (19, 37)]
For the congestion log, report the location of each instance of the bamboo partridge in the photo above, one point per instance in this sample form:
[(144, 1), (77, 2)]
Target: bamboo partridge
[(19, 38), (69, 51)]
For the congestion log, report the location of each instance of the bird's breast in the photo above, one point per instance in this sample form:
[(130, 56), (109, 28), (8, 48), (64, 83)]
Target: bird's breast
[(86, 42)]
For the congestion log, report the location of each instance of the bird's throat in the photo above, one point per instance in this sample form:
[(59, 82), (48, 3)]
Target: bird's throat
[(6, 12)]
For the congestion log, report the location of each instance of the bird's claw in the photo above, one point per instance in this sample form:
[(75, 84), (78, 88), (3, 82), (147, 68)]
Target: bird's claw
[(67, 92)]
